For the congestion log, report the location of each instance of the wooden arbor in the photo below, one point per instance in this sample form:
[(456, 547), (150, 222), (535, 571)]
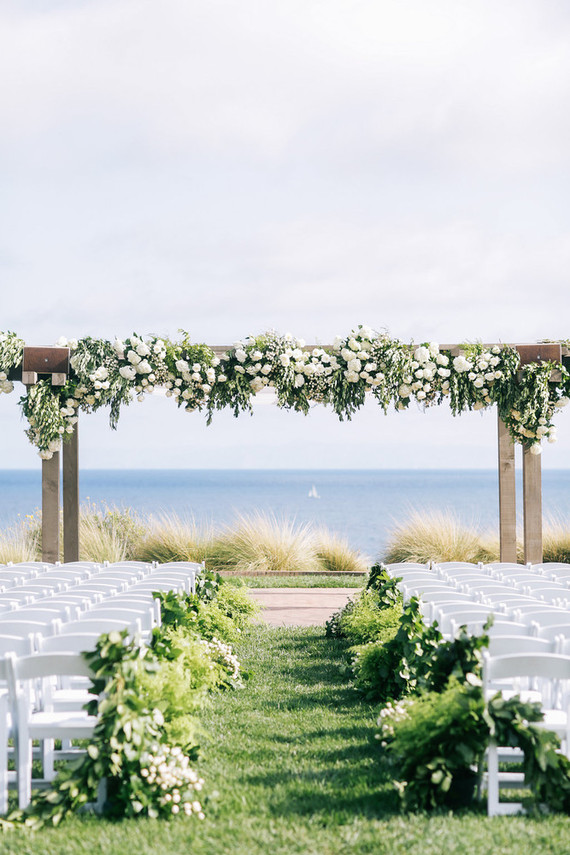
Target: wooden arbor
[(54, 362)]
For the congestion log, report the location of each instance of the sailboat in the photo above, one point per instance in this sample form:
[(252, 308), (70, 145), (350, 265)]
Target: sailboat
[(313, 493)]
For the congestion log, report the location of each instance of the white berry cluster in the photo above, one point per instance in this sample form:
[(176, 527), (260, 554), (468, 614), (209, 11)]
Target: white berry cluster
[(223, 654), (391, 715), (167, 772)]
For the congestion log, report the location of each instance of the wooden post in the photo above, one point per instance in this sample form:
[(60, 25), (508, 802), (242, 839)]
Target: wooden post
[(532, 494), (507, 495), (71, 497), (50, 509)]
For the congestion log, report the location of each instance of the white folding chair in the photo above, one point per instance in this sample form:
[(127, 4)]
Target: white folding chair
[(552, 673), (38, 720)]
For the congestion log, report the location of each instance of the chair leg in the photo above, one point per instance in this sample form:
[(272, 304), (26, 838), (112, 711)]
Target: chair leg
[(492, 780), (24, 768), (4, 757)]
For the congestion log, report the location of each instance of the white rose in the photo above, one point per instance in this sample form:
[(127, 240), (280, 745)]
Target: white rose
[(299, 380), (144, 367), (422, 355), (490, 376), (354, 365), (142, 349), (420, 395), (127, 372), (562, 402), (119, 347), (181, 365), (45, 455), (133, 357), (241, 355), (285, 360), (478, 405), (535, 449), (353, 344), (443, 372), (442, 359)]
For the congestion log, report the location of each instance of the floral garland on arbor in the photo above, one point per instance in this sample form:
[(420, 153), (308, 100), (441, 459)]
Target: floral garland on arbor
[(111, 374)]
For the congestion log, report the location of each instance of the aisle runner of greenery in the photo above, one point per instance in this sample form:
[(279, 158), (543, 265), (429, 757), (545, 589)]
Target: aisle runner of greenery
[(148, 700)]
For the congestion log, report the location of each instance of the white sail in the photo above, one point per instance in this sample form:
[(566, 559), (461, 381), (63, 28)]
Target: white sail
[(313, 493)]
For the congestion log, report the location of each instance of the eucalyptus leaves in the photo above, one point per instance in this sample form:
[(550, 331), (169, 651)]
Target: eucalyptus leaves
[(111, 374)]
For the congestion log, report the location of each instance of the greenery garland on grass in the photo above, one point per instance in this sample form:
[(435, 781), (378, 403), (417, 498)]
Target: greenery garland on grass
[(146, 740), (435, 724), (111, 374)]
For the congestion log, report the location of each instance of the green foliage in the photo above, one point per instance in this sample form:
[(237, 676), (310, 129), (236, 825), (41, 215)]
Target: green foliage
[(385, 586), (435, 743), (128, 748), (366, 621)]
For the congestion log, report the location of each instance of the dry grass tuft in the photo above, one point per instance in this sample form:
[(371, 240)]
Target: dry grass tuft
[(261, 543), (334, 553), (556, 540), (432, 536), (20, 542), (172, 538)]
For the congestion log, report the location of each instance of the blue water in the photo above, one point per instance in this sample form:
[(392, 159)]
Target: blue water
[(361, 505)]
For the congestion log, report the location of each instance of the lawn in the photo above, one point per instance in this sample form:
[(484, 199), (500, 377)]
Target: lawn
[(291, 766)]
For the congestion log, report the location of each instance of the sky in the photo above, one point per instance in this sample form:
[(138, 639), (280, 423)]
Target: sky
[(299, 165)]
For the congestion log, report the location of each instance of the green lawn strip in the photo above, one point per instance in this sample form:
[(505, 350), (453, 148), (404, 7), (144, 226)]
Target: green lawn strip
[(295, 766), (269, 581)]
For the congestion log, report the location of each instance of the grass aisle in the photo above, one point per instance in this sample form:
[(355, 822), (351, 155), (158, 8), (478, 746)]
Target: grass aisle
[(292, 757)]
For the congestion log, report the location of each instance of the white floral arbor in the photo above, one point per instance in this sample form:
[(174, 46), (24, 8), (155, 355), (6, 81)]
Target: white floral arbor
[(527, 384)]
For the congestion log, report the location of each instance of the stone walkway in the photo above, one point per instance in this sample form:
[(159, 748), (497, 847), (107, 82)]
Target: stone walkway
[(300, 606)]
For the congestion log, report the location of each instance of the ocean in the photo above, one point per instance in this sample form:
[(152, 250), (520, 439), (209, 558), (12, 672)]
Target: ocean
[(361, 505)]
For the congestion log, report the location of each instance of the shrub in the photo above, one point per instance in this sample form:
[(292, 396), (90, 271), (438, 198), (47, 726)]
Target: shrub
[(261, 543), (556, 540), (335, 554), (22, 541), (433, 536), (172, 538), (366, 621)]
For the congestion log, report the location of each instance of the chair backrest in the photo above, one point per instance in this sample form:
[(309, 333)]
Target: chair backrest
[(23, 628), (58, 664), (551, 666), (499, 627), (101, 625), (540, 616), (504, 645), (77, 642), (20, 646), (552, 630)]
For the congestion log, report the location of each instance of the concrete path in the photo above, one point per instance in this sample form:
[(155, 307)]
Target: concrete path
[(300, 606)]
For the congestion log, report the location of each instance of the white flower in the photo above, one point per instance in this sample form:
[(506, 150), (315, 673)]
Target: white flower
[(479, 383), (144, 367), (285, 360), (535, 449), (299, 380), (461, 364), (420, 395), (181, 365), (101, 373), (478, 405), (354, 365), (133, 357), (422, 354), (562, 402), (353, 344), (61, 342), (45, 455), (142, 349), (442, 359), (119, 347), (241, 355), (443, 372)]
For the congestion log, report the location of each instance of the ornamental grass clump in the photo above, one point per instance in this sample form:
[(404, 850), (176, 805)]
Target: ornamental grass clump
[(556, 540), (432, 536), (169, 537), (335, 554), (108, 534), (20, 542), (261, 543)]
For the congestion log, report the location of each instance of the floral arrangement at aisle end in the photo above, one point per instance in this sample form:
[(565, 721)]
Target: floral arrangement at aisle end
[(110, 374)]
